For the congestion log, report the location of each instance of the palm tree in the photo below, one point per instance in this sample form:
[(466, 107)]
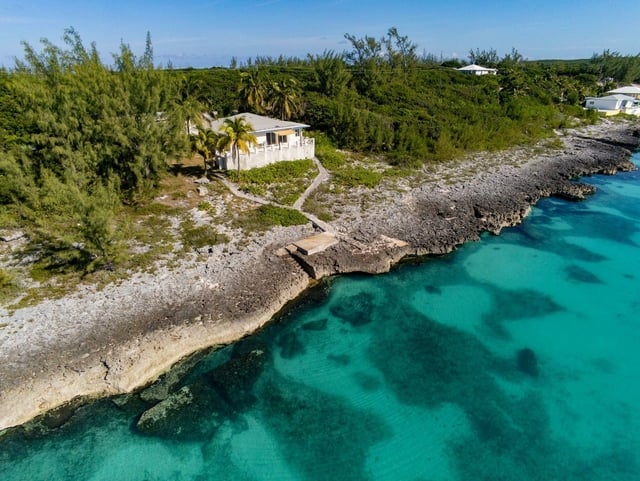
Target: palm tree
[(239, 137), (252, 91), (206, 143), (285, 98), (189, 107)]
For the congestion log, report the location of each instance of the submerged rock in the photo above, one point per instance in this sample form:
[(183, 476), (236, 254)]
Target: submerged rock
[(289, 344), (234, 380), (322, 436), (339, 359), (357, 310), (515, 304), (194, 412), (579, 274), (433, 289), (528, 362)]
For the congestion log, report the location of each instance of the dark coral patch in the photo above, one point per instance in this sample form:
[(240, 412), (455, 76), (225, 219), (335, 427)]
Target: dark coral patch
[(311, 425), (579, 274), (356, 310), (527, 362)]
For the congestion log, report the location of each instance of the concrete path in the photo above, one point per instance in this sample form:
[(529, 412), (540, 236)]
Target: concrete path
[(322, 176), (238, 193)]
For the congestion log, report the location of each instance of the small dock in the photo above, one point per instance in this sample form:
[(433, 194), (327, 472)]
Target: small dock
[(326, 254), (315, 243)]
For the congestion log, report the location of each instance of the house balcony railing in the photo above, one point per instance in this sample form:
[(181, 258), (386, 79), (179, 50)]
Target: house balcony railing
[(264, 147)]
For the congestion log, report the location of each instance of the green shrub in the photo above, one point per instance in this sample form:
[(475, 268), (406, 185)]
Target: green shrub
[(319, 208), (275, 215), (6, 279), (357, 177), (267, 216), (278, 172), (284, 181), (196, 237), (326, 152)]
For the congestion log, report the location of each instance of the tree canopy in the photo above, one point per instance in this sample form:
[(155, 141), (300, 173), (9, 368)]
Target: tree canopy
[(84, 137)]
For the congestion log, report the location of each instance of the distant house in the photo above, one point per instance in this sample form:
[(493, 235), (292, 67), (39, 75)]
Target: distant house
[(474, 69), (630, 90), (278, 140), (614, 104)]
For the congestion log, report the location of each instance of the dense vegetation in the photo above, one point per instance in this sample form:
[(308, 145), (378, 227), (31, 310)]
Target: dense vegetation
[(81, 140)]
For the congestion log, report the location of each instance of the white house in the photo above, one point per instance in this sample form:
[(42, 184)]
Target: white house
[(613, 104), (474, 69), (277, 140), (630, 90)]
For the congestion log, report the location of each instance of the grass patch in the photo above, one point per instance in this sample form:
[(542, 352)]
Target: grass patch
[(282, 182), (347, 171), (358, 177), (197, 237), (267, 216), (6, 279), (8, 286), (278, 172), (314, 205), (327, 154), (280, 216)]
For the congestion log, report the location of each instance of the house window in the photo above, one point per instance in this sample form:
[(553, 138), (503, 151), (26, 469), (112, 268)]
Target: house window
[(298, 133), (282, 139), (271, 138)]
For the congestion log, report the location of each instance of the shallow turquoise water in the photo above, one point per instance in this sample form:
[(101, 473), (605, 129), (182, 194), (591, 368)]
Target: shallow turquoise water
[(515, 358)]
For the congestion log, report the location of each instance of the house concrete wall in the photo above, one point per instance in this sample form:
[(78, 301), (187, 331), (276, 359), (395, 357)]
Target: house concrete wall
[(611, 102), (261, 155)]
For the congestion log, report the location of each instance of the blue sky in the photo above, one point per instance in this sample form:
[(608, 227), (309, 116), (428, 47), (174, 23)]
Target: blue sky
[(204, 33)]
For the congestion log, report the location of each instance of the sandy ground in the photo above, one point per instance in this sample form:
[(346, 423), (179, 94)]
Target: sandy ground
[(119, 338)]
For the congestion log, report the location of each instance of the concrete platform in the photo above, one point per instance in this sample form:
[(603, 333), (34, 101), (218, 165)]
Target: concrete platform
[(316, 243)]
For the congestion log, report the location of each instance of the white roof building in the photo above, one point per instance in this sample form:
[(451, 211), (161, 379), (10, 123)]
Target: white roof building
[(630, 90), (278, 140), (613, 104), (474, 69)]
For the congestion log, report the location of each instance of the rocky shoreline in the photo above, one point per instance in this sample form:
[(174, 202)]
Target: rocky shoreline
[(100, 343)]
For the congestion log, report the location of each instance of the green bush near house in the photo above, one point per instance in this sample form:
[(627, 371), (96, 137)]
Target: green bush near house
[(274, 215), (283, 181), (267, 216), (358, 177), (326, 152), (278, 172)]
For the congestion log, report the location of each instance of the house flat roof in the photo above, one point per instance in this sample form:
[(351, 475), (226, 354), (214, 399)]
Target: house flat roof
[(475, 67), (260, 123)]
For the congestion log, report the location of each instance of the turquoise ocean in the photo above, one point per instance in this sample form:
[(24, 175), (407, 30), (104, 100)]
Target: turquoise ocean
[(514, 358)]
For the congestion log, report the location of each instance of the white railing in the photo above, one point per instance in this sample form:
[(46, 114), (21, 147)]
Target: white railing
[(268, 154), (306, 141)]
